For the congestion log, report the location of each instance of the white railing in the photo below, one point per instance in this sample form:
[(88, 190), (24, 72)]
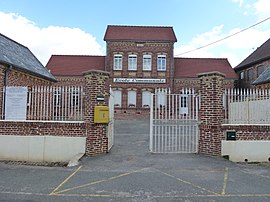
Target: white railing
[(54, 103), (247, 106), (174, 121)]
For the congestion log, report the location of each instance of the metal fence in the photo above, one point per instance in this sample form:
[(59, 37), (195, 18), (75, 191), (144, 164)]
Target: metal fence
[(247, 106), (55, 103), (174, 122)]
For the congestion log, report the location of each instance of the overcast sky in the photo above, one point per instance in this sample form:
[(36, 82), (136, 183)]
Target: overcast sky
[(78, 27)]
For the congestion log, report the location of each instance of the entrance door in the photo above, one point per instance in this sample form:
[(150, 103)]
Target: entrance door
[(174, 124)]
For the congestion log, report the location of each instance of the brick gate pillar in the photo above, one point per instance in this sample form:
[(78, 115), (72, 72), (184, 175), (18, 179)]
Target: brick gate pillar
[(96, 84), (211, 112)]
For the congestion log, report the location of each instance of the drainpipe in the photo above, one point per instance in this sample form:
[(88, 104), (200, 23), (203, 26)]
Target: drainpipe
[(5, 87)]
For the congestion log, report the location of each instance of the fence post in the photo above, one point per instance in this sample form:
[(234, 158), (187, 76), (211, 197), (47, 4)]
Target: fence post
[(211, 112), (96, 84)]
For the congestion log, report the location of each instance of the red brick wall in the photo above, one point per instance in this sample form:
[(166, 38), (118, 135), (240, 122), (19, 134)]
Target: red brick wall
[(249, 132), (180, 83), (211, 113), (42, 128), (245, 83), (95, 84), (70, 81), (16, 78), (126, 48)]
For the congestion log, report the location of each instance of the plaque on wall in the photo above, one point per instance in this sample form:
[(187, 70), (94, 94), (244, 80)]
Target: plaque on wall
[(16, 103)]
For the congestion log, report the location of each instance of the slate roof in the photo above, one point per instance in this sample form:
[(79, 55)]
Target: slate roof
[(21, 58), (190, 67), (263, 78), (259, 55), (139, 33), (74, 65)]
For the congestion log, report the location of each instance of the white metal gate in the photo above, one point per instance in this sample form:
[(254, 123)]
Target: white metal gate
[(174, 122), (110, 129)]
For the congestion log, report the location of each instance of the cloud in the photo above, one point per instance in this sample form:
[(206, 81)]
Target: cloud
[(235, 48), (44, 42), (262, 8), (240, 2)]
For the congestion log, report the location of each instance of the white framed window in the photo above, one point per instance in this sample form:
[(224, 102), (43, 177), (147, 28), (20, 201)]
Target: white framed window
[(117, 98), (132, 62), (57, 97), (161, 98), (132, 96), (161, 63), (75, 97), (242, 75), (146, 99), (117, 62), (147, 62)]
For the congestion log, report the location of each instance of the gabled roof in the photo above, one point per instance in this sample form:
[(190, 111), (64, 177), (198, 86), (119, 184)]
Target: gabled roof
[(259, 55), (263, 78), (139, 33), (21, 58), (190, 67), (74, 65)]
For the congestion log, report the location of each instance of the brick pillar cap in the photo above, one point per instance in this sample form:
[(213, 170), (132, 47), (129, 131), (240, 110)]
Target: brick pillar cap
[(96, 72), (216, 73)]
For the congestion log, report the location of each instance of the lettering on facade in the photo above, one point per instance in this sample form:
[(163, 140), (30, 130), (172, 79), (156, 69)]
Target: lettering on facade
[(138, 80), (16, 103)]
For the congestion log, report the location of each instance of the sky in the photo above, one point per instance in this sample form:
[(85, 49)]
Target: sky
[(77, 27)]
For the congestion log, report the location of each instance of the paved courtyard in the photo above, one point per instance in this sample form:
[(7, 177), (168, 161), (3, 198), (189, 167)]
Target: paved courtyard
[(130, 173)]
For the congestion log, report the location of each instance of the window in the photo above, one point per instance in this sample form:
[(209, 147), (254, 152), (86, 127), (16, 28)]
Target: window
[(117, 98), (75, 97), (161, 98), (250, 74), (242, 75), (132, 62), (118, 61), (131, 98), (161, 63), (57, 97), (146, 99), (184, 102), (260, 70), (147, 62)]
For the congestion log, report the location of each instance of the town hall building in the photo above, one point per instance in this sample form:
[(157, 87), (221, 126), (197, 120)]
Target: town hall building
[(139, 59)]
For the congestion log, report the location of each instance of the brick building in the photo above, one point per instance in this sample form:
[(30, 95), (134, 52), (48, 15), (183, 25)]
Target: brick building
[(139, 59), (254, 66)]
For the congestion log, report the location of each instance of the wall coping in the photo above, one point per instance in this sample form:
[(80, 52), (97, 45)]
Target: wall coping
[(258, 124), (40, 121), (217, 73), (96, 72)]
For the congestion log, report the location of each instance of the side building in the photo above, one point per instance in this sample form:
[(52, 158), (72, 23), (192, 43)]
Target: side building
[(254, 66)]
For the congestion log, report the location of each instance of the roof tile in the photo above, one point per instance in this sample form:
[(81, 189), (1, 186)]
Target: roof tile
[(20, 57), (139, 33), (74, 65), (190, 67), (260, 54)]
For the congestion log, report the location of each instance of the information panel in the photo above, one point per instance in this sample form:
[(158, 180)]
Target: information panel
[(16, 103)]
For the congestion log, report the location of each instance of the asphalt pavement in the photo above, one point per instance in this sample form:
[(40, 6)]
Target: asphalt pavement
[(129, 172)]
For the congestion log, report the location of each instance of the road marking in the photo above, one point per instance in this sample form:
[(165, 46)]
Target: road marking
[(225, 181), (97, 182), (68, 178), (189, 183)]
